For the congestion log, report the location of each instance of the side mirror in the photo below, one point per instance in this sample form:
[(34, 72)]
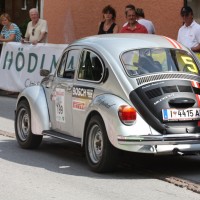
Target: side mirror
[(69, 74), (44, 72)]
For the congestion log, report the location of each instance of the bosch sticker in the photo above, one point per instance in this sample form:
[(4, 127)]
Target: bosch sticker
[(83, 92)]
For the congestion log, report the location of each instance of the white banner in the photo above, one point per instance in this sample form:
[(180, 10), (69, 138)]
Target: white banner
[(20, 64)]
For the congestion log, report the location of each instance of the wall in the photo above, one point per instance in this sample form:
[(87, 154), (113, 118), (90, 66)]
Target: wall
[(69, 20)]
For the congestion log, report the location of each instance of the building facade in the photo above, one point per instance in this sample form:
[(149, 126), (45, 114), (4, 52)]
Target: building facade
[(70, 20), (19, 10)]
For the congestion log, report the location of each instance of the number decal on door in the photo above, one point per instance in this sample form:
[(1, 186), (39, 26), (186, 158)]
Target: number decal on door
[(59, 105)]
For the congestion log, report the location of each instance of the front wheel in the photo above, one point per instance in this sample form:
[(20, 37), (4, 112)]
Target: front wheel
[(25, 137), (101, 155)]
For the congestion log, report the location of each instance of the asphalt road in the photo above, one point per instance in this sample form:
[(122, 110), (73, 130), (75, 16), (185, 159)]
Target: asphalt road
[(181, 171), (7, 108), (58, 170)]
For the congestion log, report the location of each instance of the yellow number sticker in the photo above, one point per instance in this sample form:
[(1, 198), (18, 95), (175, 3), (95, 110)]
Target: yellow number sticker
[(188, 61)]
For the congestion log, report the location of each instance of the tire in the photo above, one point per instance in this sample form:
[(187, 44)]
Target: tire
[(101, 155), (25, 137)]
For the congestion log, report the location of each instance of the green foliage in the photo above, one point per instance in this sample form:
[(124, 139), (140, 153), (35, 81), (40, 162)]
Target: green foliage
[(23, 26)]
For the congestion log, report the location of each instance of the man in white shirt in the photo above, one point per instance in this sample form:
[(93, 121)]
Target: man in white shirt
[(147, 23), (189, 33), (37, 29)]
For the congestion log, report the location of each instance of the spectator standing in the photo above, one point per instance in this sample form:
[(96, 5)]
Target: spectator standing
[(37, 29), (147, 23), (133, 26), (108, 24), (189, 33), (129, 6), (10, 31)]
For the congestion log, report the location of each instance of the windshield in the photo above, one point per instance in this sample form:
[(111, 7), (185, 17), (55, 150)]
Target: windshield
[(143, 61)]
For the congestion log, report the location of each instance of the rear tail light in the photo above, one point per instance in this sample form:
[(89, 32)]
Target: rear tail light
[(127, 114)]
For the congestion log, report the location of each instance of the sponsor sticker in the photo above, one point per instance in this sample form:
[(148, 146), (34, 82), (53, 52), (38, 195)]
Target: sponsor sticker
[(83, 92), (78, 105), (59, 105)]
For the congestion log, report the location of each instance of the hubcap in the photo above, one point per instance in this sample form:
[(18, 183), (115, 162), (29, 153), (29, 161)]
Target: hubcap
[(95, 144), (23, 124)]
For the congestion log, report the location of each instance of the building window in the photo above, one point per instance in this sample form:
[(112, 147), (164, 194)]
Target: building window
[(2, 6)]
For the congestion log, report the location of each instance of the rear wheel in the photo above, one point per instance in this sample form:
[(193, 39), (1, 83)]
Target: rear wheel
[(101, 155), (25, 137)]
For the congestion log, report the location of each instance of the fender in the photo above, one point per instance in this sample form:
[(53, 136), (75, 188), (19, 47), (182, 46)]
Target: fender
[(39, 110), (107, 106)]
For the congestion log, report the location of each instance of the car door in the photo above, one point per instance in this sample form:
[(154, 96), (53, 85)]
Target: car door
[(89, 77), (61, 116)]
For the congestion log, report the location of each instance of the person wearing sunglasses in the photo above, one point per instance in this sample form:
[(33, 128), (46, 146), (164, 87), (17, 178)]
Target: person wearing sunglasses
[(37, 28), (10, 31), (189, 33)]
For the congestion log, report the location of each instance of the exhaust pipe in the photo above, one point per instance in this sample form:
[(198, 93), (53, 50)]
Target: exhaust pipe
[(177, 152)]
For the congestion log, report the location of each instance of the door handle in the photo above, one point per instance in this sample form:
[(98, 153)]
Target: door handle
[(69, 88)]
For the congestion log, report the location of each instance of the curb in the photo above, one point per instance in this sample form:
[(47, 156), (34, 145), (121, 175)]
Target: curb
[(183, 184), (7, 134)]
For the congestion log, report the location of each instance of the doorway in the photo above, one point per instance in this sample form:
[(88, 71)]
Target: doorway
[(195, 5), (19, 11)]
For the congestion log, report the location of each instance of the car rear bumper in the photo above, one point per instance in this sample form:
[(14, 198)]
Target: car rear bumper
[(160, 144), (160, 139)]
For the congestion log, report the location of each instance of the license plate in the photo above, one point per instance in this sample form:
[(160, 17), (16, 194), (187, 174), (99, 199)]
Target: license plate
[(181, 114)]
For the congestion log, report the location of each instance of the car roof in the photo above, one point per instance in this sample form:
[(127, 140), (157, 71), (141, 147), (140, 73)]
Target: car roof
[(122, 42)]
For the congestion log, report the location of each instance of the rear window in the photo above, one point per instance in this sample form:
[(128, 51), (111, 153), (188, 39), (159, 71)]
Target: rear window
[(144, 61)]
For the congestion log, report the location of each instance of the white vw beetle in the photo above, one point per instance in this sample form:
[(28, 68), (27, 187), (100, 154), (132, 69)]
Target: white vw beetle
[(131, 92)]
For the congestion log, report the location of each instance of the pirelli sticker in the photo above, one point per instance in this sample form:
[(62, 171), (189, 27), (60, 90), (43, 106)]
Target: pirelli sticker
[(78, 105), (83, 92)]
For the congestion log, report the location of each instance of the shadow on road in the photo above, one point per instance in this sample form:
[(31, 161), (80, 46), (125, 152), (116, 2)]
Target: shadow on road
[(7, 107), (69, 159), (60, 157)]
